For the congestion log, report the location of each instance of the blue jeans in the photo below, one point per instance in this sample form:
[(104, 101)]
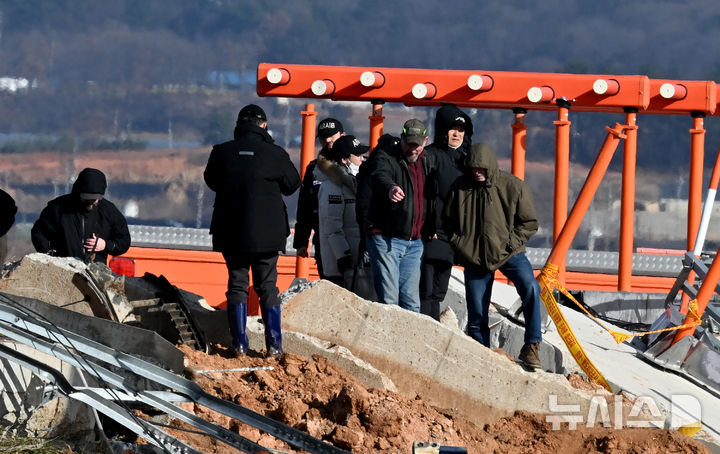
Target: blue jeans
[(478, 289), (395, 267)]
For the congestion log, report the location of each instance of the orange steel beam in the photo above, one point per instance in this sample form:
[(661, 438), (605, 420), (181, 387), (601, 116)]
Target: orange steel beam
[(564, 240), (627, 206), (697, 157), (376, 123), (682, 97), (307, 153), (490, 89), (695, 181), (703, 296), (562, 167), (519, 132)]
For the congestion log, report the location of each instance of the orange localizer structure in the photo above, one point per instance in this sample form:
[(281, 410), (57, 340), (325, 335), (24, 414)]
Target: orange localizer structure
[(307, 154), (520, 92), (627, 206)]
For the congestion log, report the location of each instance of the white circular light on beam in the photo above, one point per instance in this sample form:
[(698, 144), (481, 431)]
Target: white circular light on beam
[(424, 91), (540, 94), (372, 79), (278, 76), (476, 82), (324, 87), (607, 87)]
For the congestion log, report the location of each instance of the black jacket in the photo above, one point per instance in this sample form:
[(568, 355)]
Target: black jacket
[(249, 176), (396, 218), (7, 212), (365, 197), (450, 165), (64, 224)]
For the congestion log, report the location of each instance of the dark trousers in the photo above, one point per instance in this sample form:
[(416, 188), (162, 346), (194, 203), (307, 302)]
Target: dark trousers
[(264, 274), (434, 281)]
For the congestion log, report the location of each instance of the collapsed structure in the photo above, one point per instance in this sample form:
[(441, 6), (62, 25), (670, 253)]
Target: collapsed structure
[(80, 339)]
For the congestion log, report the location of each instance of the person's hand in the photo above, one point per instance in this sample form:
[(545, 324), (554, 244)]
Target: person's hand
[(302, 251), (95, 244), (344, 263), (396, 193)]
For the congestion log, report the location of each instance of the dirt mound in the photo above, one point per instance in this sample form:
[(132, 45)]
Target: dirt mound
[(316, 396)]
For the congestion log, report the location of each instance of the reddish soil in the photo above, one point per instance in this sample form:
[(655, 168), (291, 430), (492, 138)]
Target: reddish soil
[(316, 396)]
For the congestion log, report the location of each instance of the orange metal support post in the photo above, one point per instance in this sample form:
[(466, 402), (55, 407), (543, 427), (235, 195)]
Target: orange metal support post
[(518, 143), (307, 153), (562, 176), (627, 208), (564, 240), (703, 296), (697, 157), (376, 123)]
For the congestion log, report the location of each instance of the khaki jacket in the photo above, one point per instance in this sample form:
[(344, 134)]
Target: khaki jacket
[(488, 222)]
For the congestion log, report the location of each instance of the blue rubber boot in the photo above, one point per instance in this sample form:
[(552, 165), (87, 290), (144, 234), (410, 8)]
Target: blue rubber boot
[(273, 333), (237, 319)]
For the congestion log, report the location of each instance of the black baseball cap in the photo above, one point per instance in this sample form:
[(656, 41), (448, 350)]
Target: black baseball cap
[(329, 127), (251, 112)]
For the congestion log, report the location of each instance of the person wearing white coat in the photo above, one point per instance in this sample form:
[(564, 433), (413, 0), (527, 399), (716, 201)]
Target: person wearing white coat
[(339, 230)]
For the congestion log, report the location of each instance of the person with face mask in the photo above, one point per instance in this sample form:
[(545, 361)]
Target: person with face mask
[(339, 230), (82, 224), (306, 219)]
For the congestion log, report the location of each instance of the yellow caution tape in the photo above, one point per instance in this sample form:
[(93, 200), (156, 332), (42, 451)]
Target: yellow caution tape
[(619, 337), (548, 280), (690, 429)]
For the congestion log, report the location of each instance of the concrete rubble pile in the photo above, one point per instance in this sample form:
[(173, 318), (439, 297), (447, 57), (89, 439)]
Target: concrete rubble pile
[(383, 346)]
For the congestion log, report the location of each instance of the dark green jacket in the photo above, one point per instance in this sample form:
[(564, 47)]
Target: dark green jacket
[(488, 222)]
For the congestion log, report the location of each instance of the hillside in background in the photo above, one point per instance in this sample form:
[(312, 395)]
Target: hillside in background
[(87, 75), (142, 89)]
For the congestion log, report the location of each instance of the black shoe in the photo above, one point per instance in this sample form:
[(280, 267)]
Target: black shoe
[(529, 356), (273, 351)]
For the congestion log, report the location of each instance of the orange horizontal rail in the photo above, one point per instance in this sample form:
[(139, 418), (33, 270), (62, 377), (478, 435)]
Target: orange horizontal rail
[(682, 97), (490, 89), (204, 273)]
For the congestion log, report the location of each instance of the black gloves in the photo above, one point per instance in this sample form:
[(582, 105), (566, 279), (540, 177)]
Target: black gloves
[(344, 263)]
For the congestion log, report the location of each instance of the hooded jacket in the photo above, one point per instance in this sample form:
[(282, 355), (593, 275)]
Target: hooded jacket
[(450, 164), (339, 230), (64, 224), (249, 176), (490, 221)]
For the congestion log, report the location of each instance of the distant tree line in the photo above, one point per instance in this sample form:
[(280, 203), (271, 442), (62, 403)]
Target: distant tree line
[(119, 68)]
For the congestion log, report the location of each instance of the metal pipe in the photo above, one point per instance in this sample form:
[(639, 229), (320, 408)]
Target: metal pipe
[(307, 153), (695, 181), (627, 207), (519, 132), (376, 122), (562, 176)]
